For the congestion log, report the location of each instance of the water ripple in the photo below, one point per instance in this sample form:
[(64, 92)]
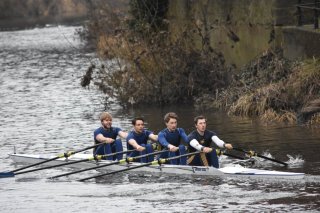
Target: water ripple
[(45, 110)]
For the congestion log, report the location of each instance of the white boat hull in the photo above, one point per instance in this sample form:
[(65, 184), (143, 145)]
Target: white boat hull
[(164, 168)]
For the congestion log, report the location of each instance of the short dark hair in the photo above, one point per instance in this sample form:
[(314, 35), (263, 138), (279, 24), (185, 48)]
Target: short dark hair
[(170, 115), (198, 118), (137, 119)]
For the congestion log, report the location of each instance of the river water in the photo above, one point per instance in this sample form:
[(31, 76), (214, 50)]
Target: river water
[(43, 109)]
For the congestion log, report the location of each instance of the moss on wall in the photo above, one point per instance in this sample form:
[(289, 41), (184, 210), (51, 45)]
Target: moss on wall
[(240, 29)]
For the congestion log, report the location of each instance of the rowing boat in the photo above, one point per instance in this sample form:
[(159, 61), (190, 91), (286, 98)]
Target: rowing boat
[(234, 170)]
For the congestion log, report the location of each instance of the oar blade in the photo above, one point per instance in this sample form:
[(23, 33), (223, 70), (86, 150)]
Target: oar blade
[(6, 174)]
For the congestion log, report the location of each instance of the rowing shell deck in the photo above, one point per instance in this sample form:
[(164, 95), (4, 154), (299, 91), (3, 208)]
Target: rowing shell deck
[(235, 170)]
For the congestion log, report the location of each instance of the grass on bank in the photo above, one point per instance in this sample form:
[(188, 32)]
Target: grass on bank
[(291, 99)]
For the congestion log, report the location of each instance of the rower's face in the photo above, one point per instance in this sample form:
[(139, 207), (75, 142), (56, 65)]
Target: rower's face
[(139, 126), (106, 123), (172, 124), (201, 125)]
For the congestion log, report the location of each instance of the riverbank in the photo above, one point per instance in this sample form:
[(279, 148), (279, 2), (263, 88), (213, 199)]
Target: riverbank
[(273, 89), (173, 69), (42, 101)]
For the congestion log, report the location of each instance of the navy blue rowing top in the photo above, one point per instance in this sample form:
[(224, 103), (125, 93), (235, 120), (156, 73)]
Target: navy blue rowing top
[(165, 137), (141, 138)]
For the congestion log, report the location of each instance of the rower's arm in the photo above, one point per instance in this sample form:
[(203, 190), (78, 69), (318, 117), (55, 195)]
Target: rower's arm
[(135, 145), (123, 134), (153, 137), (195, 144), (162, 140), (164, 143), (220, 143), (103, 139)]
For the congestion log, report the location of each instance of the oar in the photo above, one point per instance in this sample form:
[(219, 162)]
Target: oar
[(253, 153), (220, 152), (156, 162), (96, 157), (64, 155), (108, 164)]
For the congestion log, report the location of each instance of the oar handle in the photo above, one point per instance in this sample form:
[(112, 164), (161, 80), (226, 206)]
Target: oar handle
[(109, 164), (165, 160), (99, 157), (130, 159), (160, 161), (120, 161), (114, 172), (87, 169)]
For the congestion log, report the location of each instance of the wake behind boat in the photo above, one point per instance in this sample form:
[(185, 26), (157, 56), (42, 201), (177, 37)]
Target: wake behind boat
[(235, 170)]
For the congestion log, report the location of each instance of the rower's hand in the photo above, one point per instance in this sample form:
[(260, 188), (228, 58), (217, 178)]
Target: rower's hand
[(140, 148), (109, 140), (207, 150), (172, 148), (228, 146)]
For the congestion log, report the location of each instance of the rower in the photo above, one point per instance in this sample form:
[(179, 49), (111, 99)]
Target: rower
[(201, 139), (138, 139), (107, 134), (172, 138)]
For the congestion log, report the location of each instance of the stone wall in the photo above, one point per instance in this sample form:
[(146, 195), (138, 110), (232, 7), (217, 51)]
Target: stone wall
[(241, 29), (301, 42)]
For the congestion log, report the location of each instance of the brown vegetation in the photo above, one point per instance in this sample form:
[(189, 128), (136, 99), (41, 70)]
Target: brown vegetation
[(146, 65), (289, 92)]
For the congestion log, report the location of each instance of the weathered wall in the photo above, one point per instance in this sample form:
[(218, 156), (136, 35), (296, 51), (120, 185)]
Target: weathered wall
[(240, 29), (17, 13), (301, 42)]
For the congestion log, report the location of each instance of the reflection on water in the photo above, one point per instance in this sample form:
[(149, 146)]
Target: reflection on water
[(44, 110)]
